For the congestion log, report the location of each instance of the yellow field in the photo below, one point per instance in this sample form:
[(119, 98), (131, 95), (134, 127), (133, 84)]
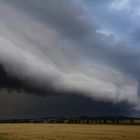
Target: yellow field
[(68, 132)]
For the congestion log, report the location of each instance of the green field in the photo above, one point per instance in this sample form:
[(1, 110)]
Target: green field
[(68, 132)]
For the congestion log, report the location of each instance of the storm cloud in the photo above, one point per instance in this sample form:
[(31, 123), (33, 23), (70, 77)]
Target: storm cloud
[(66, 46)]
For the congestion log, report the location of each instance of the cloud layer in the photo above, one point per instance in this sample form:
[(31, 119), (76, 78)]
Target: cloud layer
[(64, 47)]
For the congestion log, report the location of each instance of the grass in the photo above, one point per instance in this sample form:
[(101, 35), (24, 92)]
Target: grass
[(68, 132)]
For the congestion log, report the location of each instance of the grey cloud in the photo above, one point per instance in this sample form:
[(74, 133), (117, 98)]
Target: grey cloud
[(65, 15), (50, 42), (116, 17)]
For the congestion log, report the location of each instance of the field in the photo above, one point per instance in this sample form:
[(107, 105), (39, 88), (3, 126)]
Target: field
[(68, 132)]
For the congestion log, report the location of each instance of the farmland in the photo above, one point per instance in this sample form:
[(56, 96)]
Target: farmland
[(68, 132)]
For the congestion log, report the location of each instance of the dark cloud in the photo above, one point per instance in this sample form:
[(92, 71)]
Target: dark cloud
[(31, 106), (10, 83), (52, 47)]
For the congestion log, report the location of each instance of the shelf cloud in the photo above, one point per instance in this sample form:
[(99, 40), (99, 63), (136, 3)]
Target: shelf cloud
[(51, 47)]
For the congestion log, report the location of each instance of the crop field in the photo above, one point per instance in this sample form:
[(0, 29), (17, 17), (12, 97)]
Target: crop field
[(68, 132)]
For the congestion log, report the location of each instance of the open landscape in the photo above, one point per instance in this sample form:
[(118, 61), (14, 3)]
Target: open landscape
[(68, 132), (69, 69)]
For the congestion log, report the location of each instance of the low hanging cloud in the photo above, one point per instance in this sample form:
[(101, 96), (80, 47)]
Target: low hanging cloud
[(51, 46)]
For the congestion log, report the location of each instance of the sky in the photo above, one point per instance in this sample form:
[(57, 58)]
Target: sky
[(69, 57)]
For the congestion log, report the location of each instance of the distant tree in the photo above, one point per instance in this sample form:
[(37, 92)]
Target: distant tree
[(100, 121), (113, 121), (117, 121), (105, 121), (132, 120)]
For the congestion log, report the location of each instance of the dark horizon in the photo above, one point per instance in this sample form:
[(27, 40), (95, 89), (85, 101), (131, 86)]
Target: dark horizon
[(70, 105)]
